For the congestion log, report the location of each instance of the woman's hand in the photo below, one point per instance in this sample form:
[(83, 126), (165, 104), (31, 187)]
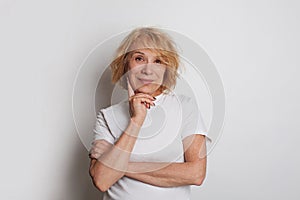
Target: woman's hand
[(138, 104), (98, 148)]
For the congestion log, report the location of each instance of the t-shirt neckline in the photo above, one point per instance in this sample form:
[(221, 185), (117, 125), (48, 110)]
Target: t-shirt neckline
[(159, 97)]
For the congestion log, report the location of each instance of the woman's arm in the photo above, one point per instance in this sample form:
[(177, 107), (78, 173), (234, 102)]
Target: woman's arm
[(110, 166), (113, 161), (191, 172)]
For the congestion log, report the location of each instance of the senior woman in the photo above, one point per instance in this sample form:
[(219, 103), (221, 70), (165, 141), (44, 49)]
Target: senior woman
[(152, 145)]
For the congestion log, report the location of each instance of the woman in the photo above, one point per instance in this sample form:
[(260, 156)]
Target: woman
[(153, 145)]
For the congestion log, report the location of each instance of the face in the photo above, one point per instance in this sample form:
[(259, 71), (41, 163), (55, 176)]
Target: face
[(146, 71)]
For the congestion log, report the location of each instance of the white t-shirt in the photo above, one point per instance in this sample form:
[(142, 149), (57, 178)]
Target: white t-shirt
[(160, 140)]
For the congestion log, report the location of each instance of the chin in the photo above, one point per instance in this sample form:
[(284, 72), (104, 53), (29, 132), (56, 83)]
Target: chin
[(147, 90)]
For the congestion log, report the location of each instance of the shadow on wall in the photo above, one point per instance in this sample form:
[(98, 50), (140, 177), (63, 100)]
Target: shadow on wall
[(80, 183)]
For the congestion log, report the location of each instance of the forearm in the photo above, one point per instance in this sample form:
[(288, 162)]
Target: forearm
[(111, 166), (167, 174)]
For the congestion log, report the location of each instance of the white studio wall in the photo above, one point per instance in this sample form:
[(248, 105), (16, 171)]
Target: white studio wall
[(253, 44)]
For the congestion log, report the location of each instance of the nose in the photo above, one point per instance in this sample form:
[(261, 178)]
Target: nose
[(147, 69)]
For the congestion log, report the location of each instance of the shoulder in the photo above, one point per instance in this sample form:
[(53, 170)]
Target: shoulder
[(116, 117), (119, 109), (115, 107)]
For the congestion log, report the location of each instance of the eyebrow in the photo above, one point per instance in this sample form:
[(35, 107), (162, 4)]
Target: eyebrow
[(157, 56), (138, 52)]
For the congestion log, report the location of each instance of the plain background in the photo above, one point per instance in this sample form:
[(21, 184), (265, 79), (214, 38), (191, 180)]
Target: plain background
[(254, 45)]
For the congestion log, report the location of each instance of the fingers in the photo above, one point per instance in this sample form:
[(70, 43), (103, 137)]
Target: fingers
[(143, 100), (94, 155), (99, 147), (143, 95), (130, 90)]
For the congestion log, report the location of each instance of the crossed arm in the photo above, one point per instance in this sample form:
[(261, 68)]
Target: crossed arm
[(190, 172)]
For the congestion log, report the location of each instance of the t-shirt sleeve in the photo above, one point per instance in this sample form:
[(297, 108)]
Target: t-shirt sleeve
[(192, 121), (101, 129)]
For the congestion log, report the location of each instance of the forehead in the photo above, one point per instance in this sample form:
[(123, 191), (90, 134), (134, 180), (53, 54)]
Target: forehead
[(147, 52)]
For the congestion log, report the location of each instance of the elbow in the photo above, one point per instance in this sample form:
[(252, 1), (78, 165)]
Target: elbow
[(97, 179), (199, 175), (199, 180), (100, 185), (103, 179)]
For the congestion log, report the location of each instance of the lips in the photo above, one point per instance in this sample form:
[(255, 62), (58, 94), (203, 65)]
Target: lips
[(146, 81)]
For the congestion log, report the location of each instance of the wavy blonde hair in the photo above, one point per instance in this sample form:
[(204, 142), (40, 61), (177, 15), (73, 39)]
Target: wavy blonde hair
[(147, 38)]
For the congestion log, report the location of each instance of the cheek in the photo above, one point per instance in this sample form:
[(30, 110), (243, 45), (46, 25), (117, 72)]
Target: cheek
[(133, 69), (162, 74)]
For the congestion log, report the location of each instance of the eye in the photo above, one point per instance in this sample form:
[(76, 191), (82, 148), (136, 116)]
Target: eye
[(139, 58), (158, 61)]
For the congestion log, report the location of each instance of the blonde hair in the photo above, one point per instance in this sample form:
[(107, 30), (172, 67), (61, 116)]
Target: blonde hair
[(147, 38)]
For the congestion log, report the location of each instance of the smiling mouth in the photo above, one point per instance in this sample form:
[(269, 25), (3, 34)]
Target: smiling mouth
[(146, 81)]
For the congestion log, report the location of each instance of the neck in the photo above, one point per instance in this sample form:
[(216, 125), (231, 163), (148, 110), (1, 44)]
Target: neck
[(154, 94)]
